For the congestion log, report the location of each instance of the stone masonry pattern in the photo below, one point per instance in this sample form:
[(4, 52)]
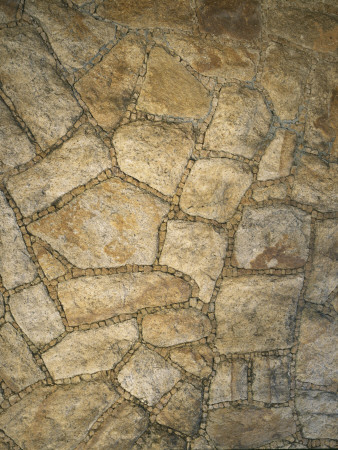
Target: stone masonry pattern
[(168, 224)]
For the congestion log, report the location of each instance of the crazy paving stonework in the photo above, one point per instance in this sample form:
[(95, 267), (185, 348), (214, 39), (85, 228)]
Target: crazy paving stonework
[(168, 224)]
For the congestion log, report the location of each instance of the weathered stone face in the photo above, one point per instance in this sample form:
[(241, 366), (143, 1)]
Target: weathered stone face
[(271, 379), (160, 439), (51, 266), (196, 359), (230, 382)]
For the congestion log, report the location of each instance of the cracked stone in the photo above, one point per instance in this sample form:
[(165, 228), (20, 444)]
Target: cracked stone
[(157, 438), (155, 153), (8, 10), (271, 379), (50, 265), (92, 350), (230, 382), (196, 249), (274, 192), (215, 187), (256, 313), (112, 224), (2, 305), (272, 237), (196, 359)]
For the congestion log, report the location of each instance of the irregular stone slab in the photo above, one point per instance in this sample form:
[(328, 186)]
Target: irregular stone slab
[(2, 305), (49, 264), (157, 438), (183, 412), (256, 313), (107, 88), (196, 359), (16, 266), (155, 153), (169, 89), (278, 157), (215, 187), (318, 414), (78, 160), (90, 299), (148, 376), (172, 327), (8, 10), (249, 427), (17, 366), (271, 379), (91, 350), (273, 192), (15, 147), (241, 122), (29, 78), (57, 417), (112, 224), (315, 183), (230, 382), (75, 37), (272, 237), (316, 358), (36, 314), (201, 443)]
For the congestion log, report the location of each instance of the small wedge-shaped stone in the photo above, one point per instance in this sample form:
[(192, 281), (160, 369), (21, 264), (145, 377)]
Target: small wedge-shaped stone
[(29, 78), (196, 359), (78, 160), (169, 89), (91, 351), (51, 266), (36, 314), (90, 299), (57, 417), (16, 266), (112, 224), (230, 382), (17, 366)]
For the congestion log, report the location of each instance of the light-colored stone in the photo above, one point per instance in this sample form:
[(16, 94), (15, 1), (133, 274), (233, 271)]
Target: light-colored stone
[(8, 10), (92, 350), (57, 417), (2, 305), (272, 237), (169, 89), (16, 266), (112, 224), (274, 192), (36, 314), (271, 379), (157, 438), (78, 160), (17, 366), (256, 313), (29, 78), (172, 327), (148, 376), (107, 88), (241, 122), (196, 249), (215, 187), (155, 153), (196, 359), (51, 266), (90, 299), (230, 382), (201, 443)]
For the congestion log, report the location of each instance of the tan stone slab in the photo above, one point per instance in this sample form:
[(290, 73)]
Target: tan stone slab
[(91, 351), (2, 305), (8, 10), (57, 417), (28, 76), (272, 237), (49, 264), (155, 153), (196, 359), (169, 89), (90, 299), (271, 379), (157, 438), (274, 192), (78, 160), (240, 123), (230, 382), (107, 88), (196, 249), (256, 313), (112, 224), (200, 443)]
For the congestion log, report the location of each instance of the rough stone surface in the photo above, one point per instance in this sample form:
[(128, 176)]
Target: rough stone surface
[(8, 10), (274, 192), (196, 359), (51, 266), (230, 382), (196, 249), (2, 306), (157, 438), (271, 379), (215, 187), (91, 351)]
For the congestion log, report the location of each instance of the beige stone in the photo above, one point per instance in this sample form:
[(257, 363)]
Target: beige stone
[(8, 10), (230, 382), (169, 89), (201, 443), (107, 88), (36, 314), (90, 299), (2, 305), (274, 192), (148, 376), (51, 266), (16, 266), (57, 417), (29, 78), (155, 153), (172, 327), (215, 187), (78, 160), (112, 224), (17, 367), (157, 438), (92, 350), (256, 313), (271, 379), (240, 123), (196, 249), (272, 237), (196, 359)]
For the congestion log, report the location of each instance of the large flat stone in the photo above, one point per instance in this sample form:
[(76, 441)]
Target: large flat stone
[(271, 379), (230, 382), (196, 359)]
